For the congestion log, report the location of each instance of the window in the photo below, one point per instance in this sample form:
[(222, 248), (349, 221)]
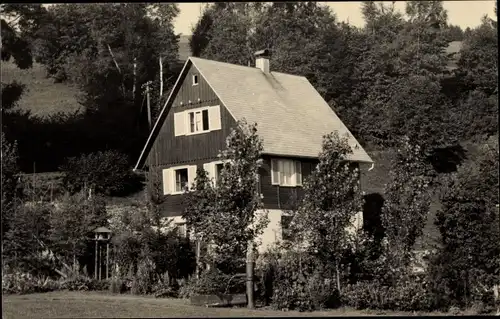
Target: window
[(286, 172), (181, 180), (218, 171), (195, 79), (198, 121), (286, 234), (176, 180), (181, 229)]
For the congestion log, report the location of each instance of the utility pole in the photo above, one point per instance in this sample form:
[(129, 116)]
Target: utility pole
[(148, 102)]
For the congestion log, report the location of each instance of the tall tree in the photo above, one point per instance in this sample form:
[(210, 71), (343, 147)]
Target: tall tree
[(331, 198), (406, 207), (110, 57), (468, 262), (477, 107), (233, 204), (19, 22)]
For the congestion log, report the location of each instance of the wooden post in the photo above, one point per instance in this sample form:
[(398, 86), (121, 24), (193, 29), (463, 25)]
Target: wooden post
[(96, 256), (249, 275), (198, 252), (107, 260), (100, 263)]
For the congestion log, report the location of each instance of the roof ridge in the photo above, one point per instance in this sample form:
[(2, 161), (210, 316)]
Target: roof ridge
[(244, 66)]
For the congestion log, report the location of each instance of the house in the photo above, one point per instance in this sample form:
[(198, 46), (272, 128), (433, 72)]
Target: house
[(206, 102)]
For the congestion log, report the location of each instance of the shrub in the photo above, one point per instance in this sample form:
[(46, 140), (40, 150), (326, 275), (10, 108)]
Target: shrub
[(142, 282), (214, 282), (406, 296), (184, 288), (24, 283), (105, 172), (468, 224), (117, 286), (296, 283), (166, 287)]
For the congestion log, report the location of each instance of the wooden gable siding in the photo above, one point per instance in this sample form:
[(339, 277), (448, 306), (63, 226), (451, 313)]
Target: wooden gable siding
[(169, 149), (275, 197), (173, 205)]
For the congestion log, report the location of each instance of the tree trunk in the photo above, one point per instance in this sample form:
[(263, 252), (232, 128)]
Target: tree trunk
[(198, 251), (161, 81), (337, 271), (135, 80), (249, 275)]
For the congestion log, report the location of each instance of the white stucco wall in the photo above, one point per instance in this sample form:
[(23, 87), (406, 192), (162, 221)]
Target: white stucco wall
[(272, 233)]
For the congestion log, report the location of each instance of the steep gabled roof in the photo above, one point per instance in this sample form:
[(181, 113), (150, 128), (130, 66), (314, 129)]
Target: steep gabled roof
[(291, 115)]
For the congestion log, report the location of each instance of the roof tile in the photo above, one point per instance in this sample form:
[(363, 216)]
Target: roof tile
[(291, 115)]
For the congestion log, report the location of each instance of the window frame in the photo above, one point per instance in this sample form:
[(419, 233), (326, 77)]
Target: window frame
[(194, 112), (182, 230), (281, 163), (174, 184), (216, 175)]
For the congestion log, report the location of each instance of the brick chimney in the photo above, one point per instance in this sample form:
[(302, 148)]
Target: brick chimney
[(262, 60)]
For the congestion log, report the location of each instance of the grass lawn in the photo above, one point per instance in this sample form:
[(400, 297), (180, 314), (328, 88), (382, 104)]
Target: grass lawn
[(103, 305)]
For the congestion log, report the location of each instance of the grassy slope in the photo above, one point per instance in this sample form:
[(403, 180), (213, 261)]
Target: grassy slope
[(42, 96), (101, 305)]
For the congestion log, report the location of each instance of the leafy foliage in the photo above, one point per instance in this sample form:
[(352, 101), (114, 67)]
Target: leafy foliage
[(25, 283), (18, 23), (109, 58), (331, 198), (9, 181), (406, 207), (409, 296), (214, 281), (105, 173), (467, 264), (73, 223), (23, 247), (232, 205)]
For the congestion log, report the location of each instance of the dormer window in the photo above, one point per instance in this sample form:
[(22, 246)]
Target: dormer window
[(195, 79)]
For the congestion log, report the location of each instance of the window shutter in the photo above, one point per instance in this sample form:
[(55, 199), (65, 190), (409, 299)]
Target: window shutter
[(191, 175), (275, 175), (298, 173), (180, 122), (214, 118), (167, 181), (208, 167)]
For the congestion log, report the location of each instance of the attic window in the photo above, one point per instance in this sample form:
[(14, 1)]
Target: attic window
[(195, 79)]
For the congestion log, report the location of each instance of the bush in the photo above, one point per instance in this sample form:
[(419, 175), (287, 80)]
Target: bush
[(24, 283), (117, 286), (214, 282), (296, 283), (106, 172), (166, 287), (142, 282), (406, 296)]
